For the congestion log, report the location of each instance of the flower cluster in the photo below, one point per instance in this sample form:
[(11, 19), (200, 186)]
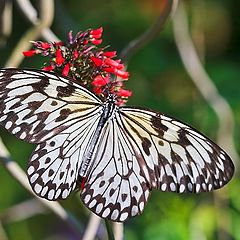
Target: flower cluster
[(81, 59)]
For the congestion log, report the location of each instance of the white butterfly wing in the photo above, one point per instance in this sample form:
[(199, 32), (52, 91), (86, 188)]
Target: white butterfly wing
[(59, 115), (53, 169), (36, 105), (140, 150), (178, 157), (115, 187)]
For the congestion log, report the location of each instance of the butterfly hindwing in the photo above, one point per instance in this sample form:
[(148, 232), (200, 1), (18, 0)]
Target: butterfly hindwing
[(116, 187), (53, 169), (36, 105)]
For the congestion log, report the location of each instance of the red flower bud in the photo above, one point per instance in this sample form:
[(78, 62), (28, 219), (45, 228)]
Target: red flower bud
[(110, 54), (98, 90), (75, 55), (96, 33), (100, 81), (124, 93), (65, 70), (97, 61), (122, 74), (48, 68), (113, 63), (45, 45), (59, 58), (96, 41), (29, 53), (109, 69), (58, 44), (85, 42)]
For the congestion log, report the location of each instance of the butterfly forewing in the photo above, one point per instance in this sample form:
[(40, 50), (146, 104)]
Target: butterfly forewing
[(182, 159), (36, 105), (59, 115)]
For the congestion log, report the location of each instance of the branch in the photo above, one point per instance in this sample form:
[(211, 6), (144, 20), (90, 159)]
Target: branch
[(3, 235), (20, 176), (150, 33), (118, 231), (5, 20), (31, 14), (203, 82), (45, 20), (92, 227), (22, 211)]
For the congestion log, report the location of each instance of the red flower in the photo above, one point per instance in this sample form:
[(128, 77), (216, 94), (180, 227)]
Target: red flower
[(96, 33), (100, 81), (65, 70), (98, 90), (81, 57), (58, 44), (124, 93), (48, 68), (122, 74), (45, 45), (96, 41), (85, 42), (59, 58), (29, 53), (114, 63), (110, 54), (97, 61), (75, 55)]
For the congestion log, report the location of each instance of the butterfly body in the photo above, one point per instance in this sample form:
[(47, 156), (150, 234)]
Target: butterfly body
[(119, 153), (108, 109)]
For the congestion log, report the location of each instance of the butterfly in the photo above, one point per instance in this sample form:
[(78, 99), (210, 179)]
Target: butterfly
[(115, 154)]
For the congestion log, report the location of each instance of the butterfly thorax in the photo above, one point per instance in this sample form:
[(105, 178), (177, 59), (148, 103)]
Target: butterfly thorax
[(109, 107)]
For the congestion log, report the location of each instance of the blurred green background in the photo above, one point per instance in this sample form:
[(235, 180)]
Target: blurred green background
[(158, 81)]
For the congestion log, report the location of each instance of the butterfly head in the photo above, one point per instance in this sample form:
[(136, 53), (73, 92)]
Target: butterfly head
[(111, 98)]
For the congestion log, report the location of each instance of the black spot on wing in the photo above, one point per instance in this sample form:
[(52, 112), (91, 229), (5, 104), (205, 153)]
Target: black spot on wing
[(158, 126), (54, 103), (42, 84), (64, 113), (146, 144), (65, 91)]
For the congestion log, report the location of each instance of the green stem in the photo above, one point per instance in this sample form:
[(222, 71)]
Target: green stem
[(109, 230)]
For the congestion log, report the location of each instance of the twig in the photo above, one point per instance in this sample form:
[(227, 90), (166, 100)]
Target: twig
[(203, 82), (92, 227), (109, 230), (5, 20), (31, 14), (22, 211), (220, 106), (150, 33), (3, 235), (45, 20), (20, 176), (118, 230)]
